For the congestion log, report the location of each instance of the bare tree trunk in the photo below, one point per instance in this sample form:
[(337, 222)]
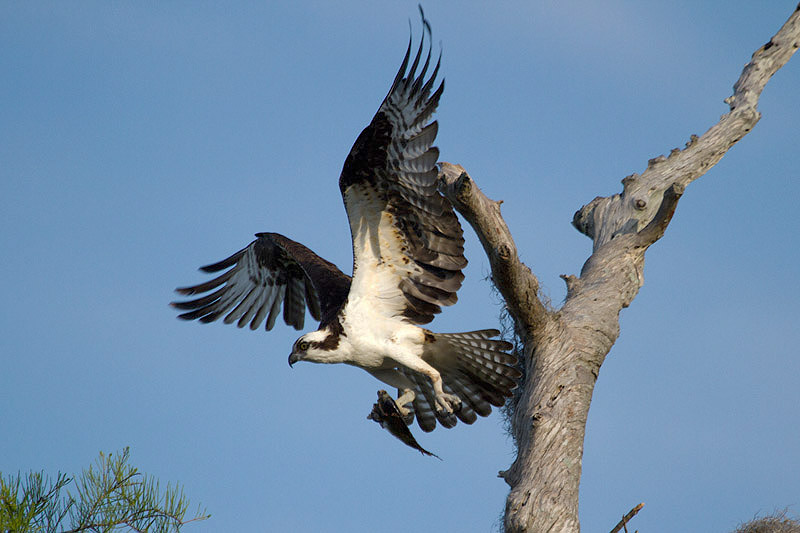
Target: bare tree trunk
[(563, 349)]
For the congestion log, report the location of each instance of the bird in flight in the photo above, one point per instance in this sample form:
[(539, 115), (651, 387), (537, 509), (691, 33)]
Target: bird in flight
[(408, 253)]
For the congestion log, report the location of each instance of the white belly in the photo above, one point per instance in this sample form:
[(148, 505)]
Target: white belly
[(375, 341)]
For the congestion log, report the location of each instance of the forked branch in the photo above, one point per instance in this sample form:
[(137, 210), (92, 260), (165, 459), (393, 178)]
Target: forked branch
[(627, 518), (563, 349), (604, 218), (515, 281)]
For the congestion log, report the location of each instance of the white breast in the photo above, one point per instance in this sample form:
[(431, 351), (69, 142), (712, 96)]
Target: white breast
[(374, 340)]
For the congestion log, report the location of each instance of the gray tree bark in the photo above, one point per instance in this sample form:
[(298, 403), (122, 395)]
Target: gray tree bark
[(562, 349)]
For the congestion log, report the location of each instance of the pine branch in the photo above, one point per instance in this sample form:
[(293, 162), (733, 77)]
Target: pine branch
[(109, 495)]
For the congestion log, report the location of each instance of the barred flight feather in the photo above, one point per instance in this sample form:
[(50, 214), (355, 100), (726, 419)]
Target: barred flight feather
[(423, 407), (425, 399), (275, 308), (465, 413), (257, 302), (419, 143), (271, 273), (444, 284), (471, 394), (242, 307), (422, 163)]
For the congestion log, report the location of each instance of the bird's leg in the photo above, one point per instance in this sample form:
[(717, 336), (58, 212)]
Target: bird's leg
[(444, 401), (406, 397)]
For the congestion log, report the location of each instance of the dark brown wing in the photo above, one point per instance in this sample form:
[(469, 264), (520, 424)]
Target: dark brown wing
[(407, 242), (272, 272)]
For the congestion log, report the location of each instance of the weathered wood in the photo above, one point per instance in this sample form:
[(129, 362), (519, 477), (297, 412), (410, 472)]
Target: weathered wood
[(564, 348), (515, 281), (627, 518)]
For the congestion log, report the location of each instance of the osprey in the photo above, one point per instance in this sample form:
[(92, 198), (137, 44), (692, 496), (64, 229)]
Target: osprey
[(408, 255)]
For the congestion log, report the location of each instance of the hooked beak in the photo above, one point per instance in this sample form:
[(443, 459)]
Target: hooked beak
[(293, 358)]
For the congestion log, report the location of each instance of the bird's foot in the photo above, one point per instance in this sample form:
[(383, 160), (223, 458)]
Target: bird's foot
[(447, 403), (404, 411)]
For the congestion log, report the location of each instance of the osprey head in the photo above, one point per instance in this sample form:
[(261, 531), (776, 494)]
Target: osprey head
[(316, 346)]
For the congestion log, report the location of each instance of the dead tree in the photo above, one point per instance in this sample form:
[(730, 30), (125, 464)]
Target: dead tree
[(562, 349)]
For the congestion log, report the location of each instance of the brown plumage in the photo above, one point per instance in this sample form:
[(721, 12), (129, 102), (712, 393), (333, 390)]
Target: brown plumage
[(272, 271)]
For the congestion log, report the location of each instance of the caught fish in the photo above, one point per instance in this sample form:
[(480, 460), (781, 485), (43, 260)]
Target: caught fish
[(386, 413)]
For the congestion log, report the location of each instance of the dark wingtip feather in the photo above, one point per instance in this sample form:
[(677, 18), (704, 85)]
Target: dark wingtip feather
[(424, 20), (209, 318), (505, 345), (193, 315), (421, 78), (399, 77), (225, 263), (429, 84), (413, 69)]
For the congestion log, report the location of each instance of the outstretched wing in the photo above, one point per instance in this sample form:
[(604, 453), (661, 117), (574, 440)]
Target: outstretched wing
[(272, 272), (408, 249)]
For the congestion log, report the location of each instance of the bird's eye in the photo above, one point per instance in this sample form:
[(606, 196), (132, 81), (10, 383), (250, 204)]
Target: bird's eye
[(303, 346)]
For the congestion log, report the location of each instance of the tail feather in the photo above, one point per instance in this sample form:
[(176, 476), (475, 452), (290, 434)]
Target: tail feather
[(488, 375), (478, 334), (475, 367), (425, 405), (489, 349), (425, 413), (471, 397), (485, 360), (423, 408), (466, 413)]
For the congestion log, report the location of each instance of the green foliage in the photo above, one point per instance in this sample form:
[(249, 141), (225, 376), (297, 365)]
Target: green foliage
[(109, 496)]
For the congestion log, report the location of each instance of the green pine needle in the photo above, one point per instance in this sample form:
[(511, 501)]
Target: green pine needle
[(110, 495)]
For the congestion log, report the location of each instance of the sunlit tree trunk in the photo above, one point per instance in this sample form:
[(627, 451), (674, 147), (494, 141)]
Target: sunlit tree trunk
[(562, 349)]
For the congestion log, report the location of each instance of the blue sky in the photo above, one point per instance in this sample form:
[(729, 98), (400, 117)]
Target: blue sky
[(142, 140)]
